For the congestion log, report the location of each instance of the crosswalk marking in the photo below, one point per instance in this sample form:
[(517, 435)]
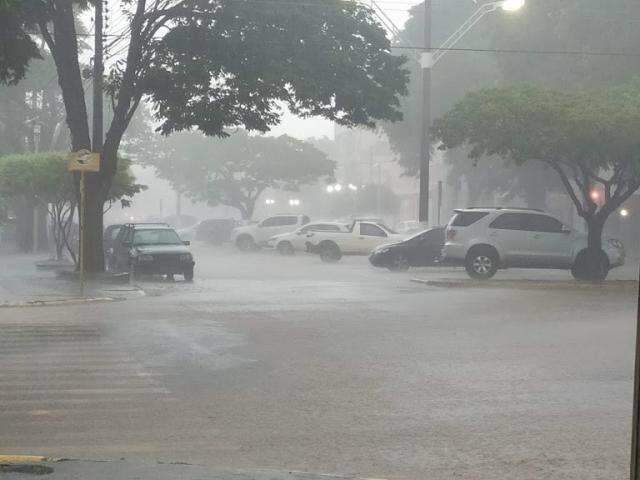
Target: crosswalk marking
[(72, 374)]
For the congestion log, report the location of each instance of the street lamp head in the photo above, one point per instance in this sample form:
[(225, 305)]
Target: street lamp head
[(512, 5)]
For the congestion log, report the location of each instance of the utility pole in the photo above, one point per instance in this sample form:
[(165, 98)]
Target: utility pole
[(96, 139), (98, 71), (425, 144)]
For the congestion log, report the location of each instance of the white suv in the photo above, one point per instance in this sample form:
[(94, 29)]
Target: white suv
[(256, 235), (485, 239)]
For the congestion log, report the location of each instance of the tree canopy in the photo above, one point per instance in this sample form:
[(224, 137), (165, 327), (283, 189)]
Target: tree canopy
[(237, 170), (211, 65), (590, 139)]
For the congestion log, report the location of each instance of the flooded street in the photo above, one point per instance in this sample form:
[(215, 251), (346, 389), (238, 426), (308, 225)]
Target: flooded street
[(288, 363)]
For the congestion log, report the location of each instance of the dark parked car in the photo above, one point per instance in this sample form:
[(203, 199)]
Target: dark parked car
[(149, 249), (420, 250)]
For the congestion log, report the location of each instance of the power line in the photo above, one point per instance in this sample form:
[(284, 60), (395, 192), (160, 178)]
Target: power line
[(526, 51)]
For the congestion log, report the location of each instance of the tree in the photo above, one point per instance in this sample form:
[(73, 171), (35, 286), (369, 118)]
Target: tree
[(588, 138), (214, 64), (42, 179), (32, 120), (237, 170)]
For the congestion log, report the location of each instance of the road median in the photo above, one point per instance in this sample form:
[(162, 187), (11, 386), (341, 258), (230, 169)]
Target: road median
[(521, 284)]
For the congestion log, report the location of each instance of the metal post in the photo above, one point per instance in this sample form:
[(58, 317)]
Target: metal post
[(635, 428), (81, 223), (425, 144)]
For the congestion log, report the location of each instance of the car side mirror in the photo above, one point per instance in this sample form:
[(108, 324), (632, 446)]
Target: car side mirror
[(187, 242)]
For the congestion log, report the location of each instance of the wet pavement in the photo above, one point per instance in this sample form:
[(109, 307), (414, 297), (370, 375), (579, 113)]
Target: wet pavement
[(286, 363)]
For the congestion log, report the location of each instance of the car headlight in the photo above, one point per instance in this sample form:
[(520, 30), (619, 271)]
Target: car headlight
[(185, 257), (145, 258), (384, 250)]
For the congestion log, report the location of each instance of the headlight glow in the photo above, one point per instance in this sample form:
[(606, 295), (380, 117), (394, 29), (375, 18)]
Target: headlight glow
[(185, 257)]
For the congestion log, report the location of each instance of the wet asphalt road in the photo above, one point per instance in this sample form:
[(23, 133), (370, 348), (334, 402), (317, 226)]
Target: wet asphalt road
[(288, 363)]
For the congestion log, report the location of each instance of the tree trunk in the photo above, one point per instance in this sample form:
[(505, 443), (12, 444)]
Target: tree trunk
[(65, 55), (595, 228), (93, 255), (42, 239), (24, 224), (592, 263)]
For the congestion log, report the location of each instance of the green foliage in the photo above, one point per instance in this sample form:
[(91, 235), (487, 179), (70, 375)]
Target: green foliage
[(240, 62), (588, 138), (44, 178), (17, 48), (597, 129), (236, 170)]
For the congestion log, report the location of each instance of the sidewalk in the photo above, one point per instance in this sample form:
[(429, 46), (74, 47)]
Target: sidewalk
[(22, 284)]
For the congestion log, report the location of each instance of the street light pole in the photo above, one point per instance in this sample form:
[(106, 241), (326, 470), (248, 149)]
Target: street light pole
[(427, 61), (425, 124)]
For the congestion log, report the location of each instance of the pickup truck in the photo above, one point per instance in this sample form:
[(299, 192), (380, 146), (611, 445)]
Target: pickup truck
[(358, 239)]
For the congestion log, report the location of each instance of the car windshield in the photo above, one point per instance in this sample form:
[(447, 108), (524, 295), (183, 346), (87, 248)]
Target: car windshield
[(162, 236)]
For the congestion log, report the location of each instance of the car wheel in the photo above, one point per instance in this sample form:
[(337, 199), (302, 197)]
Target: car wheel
[(245, 243), (286, 248), (482, 263), (589, 268), (188, 275), (399, 263), (330, 252)]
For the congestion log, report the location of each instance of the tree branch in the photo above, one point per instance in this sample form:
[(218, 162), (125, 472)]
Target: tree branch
[(567, 185), (47, 37)]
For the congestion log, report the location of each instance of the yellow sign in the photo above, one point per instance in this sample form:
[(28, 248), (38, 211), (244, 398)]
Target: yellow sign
[(84, 161)]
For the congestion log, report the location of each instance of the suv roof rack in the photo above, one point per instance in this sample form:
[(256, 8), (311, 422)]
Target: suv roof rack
[(504, 208)]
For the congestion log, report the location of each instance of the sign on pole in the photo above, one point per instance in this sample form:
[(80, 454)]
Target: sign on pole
[(83, 161)]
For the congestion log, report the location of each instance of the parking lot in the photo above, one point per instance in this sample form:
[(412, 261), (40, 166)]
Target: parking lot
[(289, 363)]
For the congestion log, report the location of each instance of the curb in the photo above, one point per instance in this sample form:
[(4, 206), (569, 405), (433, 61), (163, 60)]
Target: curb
[(58, 303), (529, 284)]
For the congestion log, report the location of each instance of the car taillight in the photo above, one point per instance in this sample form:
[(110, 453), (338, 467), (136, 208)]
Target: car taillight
[(451, 234)]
